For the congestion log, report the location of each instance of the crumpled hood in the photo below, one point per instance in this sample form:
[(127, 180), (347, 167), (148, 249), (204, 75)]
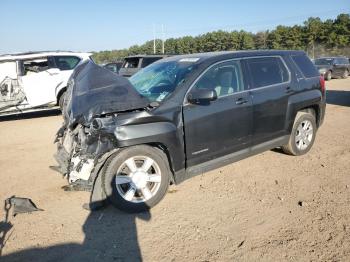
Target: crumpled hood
[(94, 91)]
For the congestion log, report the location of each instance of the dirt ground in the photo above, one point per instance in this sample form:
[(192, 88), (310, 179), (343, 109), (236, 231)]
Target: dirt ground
[(270, 207)]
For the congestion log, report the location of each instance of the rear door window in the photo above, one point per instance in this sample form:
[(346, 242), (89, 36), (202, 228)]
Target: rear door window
[(305, 65), (132, 62), (66, 62), (266, 71), (35, 65)]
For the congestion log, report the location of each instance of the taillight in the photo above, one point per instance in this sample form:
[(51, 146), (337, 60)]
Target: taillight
[(323, 85)]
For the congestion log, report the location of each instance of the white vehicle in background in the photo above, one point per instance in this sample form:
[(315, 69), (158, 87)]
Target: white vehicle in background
[(35, 80)]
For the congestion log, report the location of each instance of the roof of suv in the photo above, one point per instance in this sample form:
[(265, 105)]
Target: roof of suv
[(142, 56), (31, 55), (233, 54)]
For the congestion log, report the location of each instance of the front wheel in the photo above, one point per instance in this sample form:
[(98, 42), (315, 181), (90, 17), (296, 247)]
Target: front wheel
[(328, 76), (303, 134), (345, 74), (137, 178)]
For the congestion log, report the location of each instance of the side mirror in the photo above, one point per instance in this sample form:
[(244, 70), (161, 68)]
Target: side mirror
[(53, 71), (201, 96)]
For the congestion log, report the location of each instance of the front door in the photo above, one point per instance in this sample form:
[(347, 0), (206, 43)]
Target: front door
[(222, 126)]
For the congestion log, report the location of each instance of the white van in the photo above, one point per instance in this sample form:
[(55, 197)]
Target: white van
[(35, 80)]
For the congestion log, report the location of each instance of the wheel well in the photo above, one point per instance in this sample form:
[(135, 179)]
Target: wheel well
[(165, 150), (315, 110), (64, 89)]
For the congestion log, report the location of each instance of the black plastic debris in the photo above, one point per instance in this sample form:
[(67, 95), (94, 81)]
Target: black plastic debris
[(21, 205)]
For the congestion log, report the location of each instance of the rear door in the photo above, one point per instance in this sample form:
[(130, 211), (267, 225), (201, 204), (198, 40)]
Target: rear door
[(224, 125), (270, 87), (38, 81), (338, 67)]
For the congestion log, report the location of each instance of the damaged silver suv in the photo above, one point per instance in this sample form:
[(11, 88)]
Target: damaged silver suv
[(126, 140)]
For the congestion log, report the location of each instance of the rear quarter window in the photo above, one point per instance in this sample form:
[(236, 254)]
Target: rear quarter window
[(305, 66)]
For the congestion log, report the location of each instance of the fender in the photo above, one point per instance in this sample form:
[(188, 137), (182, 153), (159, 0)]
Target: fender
[(299, 101), (159, 133)]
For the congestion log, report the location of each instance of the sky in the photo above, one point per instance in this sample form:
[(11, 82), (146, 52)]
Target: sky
[(92, 25)]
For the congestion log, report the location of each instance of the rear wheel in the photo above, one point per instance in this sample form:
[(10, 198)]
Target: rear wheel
[(303, 134), (345, 74), (328, 76), (61, 100), (137, 178)]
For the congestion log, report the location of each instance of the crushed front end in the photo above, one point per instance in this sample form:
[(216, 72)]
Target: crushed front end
[(79, 150), (95, 97)]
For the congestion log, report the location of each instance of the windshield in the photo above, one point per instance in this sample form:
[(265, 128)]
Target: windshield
[(159, 80), (324, 61)]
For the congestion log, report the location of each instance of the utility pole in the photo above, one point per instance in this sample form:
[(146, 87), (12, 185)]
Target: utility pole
[(163, 40), (154, 38)]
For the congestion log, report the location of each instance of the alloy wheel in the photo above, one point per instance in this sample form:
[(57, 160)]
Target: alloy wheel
[(138, 179), (304, 135)]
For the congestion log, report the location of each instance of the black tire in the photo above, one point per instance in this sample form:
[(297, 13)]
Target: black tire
[(111, 169), (328, 76), (61, 100), (291, 148), (345, 74)]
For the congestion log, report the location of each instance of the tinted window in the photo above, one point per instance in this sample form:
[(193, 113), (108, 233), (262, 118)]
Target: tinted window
[(225, 78), (343, 61), (305, 65), (267, 71), (324, 61), (149, 60), (131, 62), (66, 62)]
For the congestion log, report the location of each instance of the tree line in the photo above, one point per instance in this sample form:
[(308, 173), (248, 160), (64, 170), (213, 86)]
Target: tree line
[(316, 37)]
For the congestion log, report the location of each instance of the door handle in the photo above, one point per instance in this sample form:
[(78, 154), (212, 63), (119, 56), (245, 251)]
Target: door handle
[(241, 101)]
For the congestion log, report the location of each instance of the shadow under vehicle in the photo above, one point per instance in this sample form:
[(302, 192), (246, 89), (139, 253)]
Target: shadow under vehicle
[(126, 140)]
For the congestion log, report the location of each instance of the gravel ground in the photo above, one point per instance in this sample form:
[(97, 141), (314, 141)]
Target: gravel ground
[(270, 207)]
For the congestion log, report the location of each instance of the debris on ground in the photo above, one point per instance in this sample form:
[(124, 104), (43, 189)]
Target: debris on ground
[(21, 205), (302, 203)]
